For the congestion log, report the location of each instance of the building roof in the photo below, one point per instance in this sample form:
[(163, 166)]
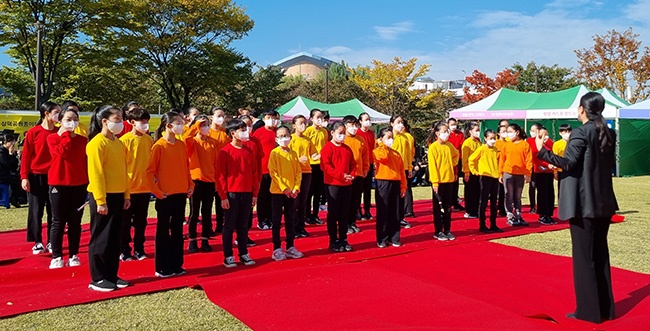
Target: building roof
[(300, 57)]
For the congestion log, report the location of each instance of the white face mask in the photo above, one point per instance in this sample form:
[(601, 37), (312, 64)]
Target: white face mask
[(142, 127), (300, 128), (476, 134), (326, 122), (318, 122), (54, 117), (352, 130), (452, 127), (115, 128), (269, 122), (243, 136), (366, 124), (503, 135), (566, 136), (70, 126), (217, 120), (399, 127), (339, 137), (444, 136), (533, 134), (491, 142), (283, 142), (205, 130), (177, 128), (512, 135), (389, 142)]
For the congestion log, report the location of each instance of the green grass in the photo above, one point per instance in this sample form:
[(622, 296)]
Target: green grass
[(190, 309)]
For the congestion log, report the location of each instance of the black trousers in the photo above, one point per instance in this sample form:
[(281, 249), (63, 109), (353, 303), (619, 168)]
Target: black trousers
[(442, 222), (38, 198), (65, 202), (454, 197), (201, 204), (531, 190), (236, 220), (315, 190), (367, 189), (169, 233), (264, 205), (545, 194), (135, 217), (489, 192), (591, 270), (219, 213), (559, 182), (387, 198), (338, 212), (408, 197), (501, 200), (301, 201), (472, 191), (283, 205), (355, 199), (104, 245)]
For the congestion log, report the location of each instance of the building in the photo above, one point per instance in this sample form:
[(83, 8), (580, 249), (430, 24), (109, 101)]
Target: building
[(429, 84), (303, 64)]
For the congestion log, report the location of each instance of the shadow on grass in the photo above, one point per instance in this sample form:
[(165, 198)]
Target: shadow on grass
[(628, 212)]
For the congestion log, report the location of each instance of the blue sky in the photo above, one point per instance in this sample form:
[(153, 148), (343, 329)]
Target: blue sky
[(451, 36)]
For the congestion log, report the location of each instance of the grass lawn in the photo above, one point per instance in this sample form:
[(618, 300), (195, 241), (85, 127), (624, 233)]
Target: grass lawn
[(191, 309)]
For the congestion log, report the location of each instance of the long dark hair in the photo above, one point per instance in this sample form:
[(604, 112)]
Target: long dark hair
[(46, 107), (99, 114), (435, 128), (516, 127), (594, 104), (468, 127), (165, 119)]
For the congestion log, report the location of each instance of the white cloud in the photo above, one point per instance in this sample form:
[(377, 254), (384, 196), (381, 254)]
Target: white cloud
[(638, 11), (393, 31)]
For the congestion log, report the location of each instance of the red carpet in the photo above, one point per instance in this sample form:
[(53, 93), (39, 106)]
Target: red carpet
[(425, 284)]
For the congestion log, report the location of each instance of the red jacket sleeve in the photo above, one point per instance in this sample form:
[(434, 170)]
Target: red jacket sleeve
[(222, 175), (327, 164), (26, 155), (59, 145)]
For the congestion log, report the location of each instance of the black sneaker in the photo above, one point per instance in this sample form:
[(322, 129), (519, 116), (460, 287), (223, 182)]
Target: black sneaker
[(335, 247), (318, 221), (409, 215), (302, 233), (126, 257), (521, 221), (205, 246), (346, 247), (382, 244), (311, 220), (484, 229), (396, 243), (532, 211), (246, 260), (121, 283), (179, 271), (192, 247), (102, 286), (458, 207), (368, 216), (440, 236), (545, 221), (355, 228), (250, 242), (405, 224), (140, 255), (229, 262), (350, 229), (496, 229), (164, 274), (450, 236)]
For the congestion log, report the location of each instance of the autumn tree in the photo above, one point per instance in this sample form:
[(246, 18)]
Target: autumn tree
[(616, 61), (482, 86), (534, 78)]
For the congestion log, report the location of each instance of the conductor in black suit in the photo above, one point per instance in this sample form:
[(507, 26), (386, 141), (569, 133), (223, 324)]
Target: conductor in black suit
[(587, 200)]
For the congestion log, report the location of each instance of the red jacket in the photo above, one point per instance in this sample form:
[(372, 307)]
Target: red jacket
[(36, 156), (69, 166), (457, 138), (369, 139), (336, 161), (266, 139), (237, 174), (537, 163)]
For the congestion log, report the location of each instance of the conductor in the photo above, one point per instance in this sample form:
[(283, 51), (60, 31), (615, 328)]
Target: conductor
[(587, 200)]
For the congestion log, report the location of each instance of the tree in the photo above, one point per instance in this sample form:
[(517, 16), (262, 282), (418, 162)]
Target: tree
[(616, 62), (388, 84), (65, 23), (533, 78), (183, 44), (19, 84), (482, 86)]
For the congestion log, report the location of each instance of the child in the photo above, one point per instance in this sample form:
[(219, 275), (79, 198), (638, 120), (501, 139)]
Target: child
[(108, 186), (9, 166), (515, 165), (254, 146), (68, 180), (202, 151), (369, 138), (266, 137), (81, 129), (327, 125), (500, 145), (170, 181), (472, 185), (286, 174), (443, 167), (358, 147), (402, 144), (218, 133), (317, 134), (558, 149), (34, 165), (532, 186), (339, 169), (239, 189), (544, 173), (306, 152), (138, 145), (484, 162), (456, 138), (390, 187)]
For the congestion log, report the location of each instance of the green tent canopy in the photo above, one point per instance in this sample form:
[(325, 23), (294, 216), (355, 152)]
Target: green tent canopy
[(302, 106)]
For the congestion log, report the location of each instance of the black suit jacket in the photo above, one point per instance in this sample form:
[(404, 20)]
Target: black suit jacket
[(586, 190)]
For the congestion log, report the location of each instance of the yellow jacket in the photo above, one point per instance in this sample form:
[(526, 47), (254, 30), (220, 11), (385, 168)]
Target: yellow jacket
[(403, 144), (107, 168), (284, 170), (469, 146), (443, 161), (485, 162), (138, 151), (303, 147), (319, 137)]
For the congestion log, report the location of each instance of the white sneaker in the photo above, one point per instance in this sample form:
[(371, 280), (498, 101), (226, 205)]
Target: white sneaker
[(49, 247), (278, 255), (38, 249), (293, 253), (74, 261), (56, 263)]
